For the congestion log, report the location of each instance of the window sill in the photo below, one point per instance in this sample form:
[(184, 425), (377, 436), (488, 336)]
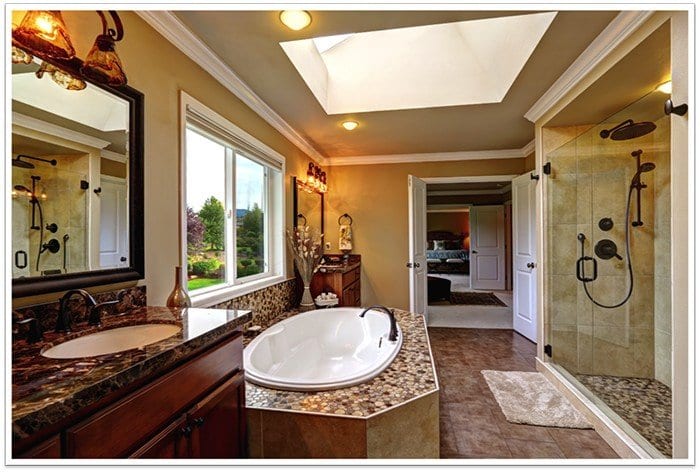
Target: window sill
[(213, 297)]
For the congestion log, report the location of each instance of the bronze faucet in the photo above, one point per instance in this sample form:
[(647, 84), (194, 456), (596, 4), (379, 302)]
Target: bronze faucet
[(64, 323), (393, 329)]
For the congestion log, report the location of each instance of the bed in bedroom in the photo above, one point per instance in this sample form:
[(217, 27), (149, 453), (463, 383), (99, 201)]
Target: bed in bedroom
[(447, 253)]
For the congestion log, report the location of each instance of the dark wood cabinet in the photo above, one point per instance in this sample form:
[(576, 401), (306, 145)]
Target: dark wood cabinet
[(343, 280), (48, 449), (218, 422), (195, 410), (171, 443)]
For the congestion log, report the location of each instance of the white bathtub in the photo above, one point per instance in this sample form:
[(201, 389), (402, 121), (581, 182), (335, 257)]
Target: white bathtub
[(321, 350)]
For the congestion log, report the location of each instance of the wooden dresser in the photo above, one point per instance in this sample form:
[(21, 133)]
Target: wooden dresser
[(341, 278)]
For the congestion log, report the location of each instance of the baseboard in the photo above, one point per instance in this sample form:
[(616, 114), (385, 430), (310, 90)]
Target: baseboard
[(621, 442)]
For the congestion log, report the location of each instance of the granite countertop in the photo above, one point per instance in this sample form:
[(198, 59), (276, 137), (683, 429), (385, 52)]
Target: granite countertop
[(45, 391), (410, 375)]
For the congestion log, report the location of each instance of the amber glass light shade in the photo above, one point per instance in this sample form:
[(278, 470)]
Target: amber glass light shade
[(61, 77), (20, 57), (44, 34), (102, 63)]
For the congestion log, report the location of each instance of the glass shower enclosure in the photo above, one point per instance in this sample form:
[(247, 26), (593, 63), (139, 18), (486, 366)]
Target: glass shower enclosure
[(608, 258)]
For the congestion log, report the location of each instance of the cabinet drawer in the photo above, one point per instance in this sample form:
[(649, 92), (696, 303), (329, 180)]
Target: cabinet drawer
[(351, 276), (118, 429)]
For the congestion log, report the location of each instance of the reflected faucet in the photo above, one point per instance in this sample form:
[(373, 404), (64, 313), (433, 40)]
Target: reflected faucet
[(64, 323), (393, 330)]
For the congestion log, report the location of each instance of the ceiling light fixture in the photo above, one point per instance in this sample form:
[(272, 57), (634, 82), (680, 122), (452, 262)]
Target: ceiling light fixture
[(295, 19), (666, 88), (350, 125)]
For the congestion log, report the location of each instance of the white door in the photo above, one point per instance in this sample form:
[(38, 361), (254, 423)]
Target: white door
[(417, 240), (524, 256), (114, 231), (487, 262)]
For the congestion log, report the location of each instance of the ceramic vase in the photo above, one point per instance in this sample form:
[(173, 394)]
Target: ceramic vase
[(178, 298)]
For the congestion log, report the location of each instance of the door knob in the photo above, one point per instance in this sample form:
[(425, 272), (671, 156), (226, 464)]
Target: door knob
[(123, 259), (475, 252), (409, 265), (413, 265), (530, 265)]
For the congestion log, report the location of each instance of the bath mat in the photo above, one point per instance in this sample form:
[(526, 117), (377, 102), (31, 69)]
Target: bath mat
[(475, 298), (529, 398)]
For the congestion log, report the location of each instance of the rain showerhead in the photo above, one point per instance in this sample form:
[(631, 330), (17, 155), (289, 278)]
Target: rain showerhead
[(18, 162), (628, 130)]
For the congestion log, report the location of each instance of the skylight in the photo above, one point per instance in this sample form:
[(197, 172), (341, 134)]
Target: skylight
[(450, 64)]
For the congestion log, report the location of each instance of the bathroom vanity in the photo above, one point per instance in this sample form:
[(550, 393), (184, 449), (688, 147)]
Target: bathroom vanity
[(341, 278), (182, 397)]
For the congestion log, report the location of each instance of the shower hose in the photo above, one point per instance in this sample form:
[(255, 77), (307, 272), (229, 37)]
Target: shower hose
[(629, 260)]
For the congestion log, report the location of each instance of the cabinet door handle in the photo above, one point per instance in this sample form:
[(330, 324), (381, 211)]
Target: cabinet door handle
[(198, 421), (530, 265), (186, 431)]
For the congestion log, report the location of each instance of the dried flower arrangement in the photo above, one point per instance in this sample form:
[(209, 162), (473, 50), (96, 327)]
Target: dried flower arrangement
[(305, 244)]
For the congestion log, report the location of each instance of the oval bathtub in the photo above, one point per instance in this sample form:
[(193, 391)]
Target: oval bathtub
[(321, 350)]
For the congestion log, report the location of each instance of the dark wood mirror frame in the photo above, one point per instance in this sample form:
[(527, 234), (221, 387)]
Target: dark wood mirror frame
[(24, 287), (295, 209)]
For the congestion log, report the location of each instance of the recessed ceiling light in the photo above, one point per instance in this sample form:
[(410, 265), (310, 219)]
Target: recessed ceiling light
[(295, 19), (665, 88), (350, 125)]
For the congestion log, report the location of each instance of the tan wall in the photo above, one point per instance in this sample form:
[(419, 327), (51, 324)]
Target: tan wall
[(456, 222), (113, 168), (530, 162), (376, 197), (159, 70)]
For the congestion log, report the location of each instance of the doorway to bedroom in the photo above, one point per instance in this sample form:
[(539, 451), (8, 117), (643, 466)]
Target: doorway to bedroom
[(469, 267)]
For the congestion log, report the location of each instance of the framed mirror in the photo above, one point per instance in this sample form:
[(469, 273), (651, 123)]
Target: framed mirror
[(307, 207), (77, 184)]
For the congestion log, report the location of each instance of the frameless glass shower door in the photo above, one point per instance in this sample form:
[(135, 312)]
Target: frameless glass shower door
[(607, 282)]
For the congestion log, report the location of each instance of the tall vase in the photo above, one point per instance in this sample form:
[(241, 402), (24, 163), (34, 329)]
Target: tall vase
[(178, 298), (307, 301)]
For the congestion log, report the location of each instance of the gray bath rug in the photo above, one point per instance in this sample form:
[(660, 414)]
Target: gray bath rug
[(529, 398)]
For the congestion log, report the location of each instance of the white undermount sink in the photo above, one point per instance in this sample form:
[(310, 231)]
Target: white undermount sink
[(111, 341)]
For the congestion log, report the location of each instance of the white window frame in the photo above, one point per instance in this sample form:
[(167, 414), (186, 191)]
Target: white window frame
[(274, 196)]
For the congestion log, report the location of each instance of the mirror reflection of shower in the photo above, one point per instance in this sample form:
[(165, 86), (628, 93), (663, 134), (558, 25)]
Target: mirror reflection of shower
[(53, 245), (606, 249)]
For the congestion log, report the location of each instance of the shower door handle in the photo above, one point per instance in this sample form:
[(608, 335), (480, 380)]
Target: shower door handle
[(580, 269)]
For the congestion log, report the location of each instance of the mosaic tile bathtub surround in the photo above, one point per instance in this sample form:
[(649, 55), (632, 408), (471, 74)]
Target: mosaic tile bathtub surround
[(266, 304), (643, 403), (409, 376), (47, 313)]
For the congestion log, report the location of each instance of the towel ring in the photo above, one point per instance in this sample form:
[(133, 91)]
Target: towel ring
[(300, 216), (344, 215)]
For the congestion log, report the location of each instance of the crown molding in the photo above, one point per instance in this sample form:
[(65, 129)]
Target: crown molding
[(524, 151), (57, 131), (172, 29), (529, 148), (619, 29), (113, 156)]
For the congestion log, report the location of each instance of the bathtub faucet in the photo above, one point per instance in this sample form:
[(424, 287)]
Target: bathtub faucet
[(393, 330)]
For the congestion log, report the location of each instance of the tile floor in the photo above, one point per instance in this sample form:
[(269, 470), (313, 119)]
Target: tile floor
[(471, 422)]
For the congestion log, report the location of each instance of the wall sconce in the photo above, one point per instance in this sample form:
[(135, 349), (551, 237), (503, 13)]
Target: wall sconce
[(43, 34), (315, 180)]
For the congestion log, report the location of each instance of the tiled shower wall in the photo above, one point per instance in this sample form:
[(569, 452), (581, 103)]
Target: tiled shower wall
[(65, 205), (590, 180)]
